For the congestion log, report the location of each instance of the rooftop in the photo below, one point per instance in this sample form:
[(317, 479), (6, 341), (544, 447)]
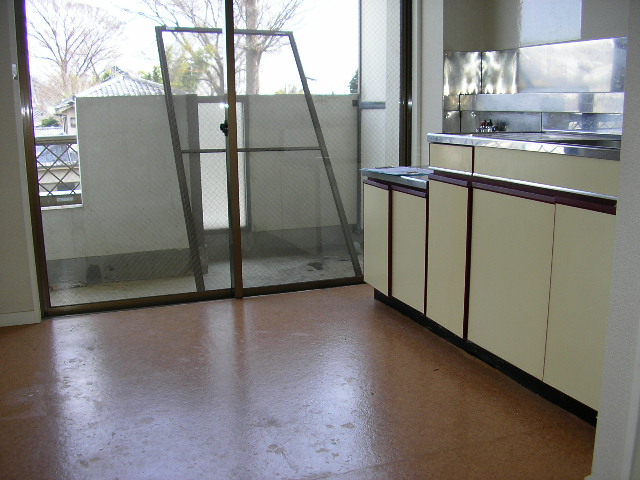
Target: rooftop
[(122, 84)]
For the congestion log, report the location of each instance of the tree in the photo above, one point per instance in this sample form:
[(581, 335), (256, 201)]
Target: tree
[(74, 39), (289, 90), (155, 75), (50, 122), (186, 71), (205, 50), (354, 83)]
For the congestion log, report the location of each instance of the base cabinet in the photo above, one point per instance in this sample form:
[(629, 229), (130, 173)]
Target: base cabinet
[(447, 255), (579, 302), (376, 237), (511, 254), (523, 272), (451, 157), (408, 248)]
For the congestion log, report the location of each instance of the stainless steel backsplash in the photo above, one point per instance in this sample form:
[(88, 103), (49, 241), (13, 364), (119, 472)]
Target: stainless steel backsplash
[(564, 86)]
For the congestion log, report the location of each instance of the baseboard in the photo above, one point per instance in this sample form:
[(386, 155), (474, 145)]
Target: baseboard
[(19, 318), (534, 384)]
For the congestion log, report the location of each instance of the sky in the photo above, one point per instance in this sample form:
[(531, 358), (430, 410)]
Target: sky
[(326, 33)]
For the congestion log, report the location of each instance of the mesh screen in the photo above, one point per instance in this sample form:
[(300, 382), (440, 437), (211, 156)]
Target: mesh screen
[(295, 234), (126, 237)]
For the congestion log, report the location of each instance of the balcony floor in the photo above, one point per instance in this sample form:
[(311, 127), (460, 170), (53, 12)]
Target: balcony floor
[(257, 272)]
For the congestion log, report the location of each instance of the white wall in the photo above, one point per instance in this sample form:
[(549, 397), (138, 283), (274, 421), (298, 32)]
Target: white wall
[(18, 290), (616, 434), (605, 19), (502, 23), (380, 81), (463, 24), (130, 194), (428, 98)]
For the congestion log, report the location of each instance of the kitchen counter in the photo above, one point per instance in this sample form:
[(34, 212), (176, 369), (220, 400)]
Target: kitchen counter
[(601, 146), (504, 250)]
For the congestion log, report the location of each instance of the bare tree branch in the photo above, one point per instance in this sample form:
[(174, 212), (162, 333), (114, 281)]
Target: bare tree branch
[(274, 15), (76, 40)]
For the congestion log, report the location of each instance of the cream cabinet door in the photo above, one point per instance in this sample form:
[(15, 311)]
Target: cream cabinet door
[(447, 255), (579, 302), (568, 171), (408, 248), (376, 237), (451, 157), (511, 251)]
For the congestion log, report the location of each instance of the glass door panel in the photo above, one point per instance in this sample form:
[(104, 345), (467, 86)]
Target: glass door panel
[(193, 62), (134, 185), (124, 215), (300, 138)]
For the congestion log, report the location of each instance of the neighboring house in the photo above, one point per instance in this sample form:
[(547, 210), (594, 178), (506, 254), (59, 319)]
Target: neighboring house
[(66, 112), (41, 131), (56, 147), (123, 84)]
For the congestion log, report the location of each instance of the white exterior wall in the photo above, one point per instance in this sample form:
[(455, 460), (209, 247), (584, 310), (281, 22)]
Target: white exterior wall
[(373, 25), (290, 190), (130, 193), (392, 77)]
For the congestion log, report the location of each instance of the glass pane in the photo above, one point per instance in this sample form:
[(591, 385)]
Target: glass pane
[(294, 233), (380, 83), (113, 213), (127, 239), (113, 218)]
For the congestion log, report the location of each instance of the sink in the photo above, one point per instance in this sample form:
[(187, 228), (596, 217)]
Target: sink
[(588, 142), (593, 140)]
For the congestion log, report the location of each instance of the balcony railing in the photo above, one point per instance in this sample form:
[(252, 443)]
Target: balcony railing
[(58, 170)]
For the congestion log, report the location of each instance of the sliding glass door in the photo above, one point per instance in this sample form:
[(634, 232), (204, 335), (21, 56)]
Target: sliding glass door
[(190, 161), (299, 141)]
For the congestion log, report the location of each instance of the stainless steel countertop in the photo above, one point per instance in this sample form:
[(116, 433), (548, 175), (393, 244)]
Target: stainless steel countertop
[(603, 146), (415, 177)]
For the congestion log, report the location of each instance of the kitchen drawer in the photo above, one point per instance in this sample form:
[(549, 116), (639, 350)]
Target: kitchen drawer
[(451, 157), (566, 171)]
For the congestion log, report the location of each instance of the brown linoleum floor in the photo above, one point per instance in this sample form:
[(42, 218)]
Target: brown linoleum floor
[(326, 384)]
